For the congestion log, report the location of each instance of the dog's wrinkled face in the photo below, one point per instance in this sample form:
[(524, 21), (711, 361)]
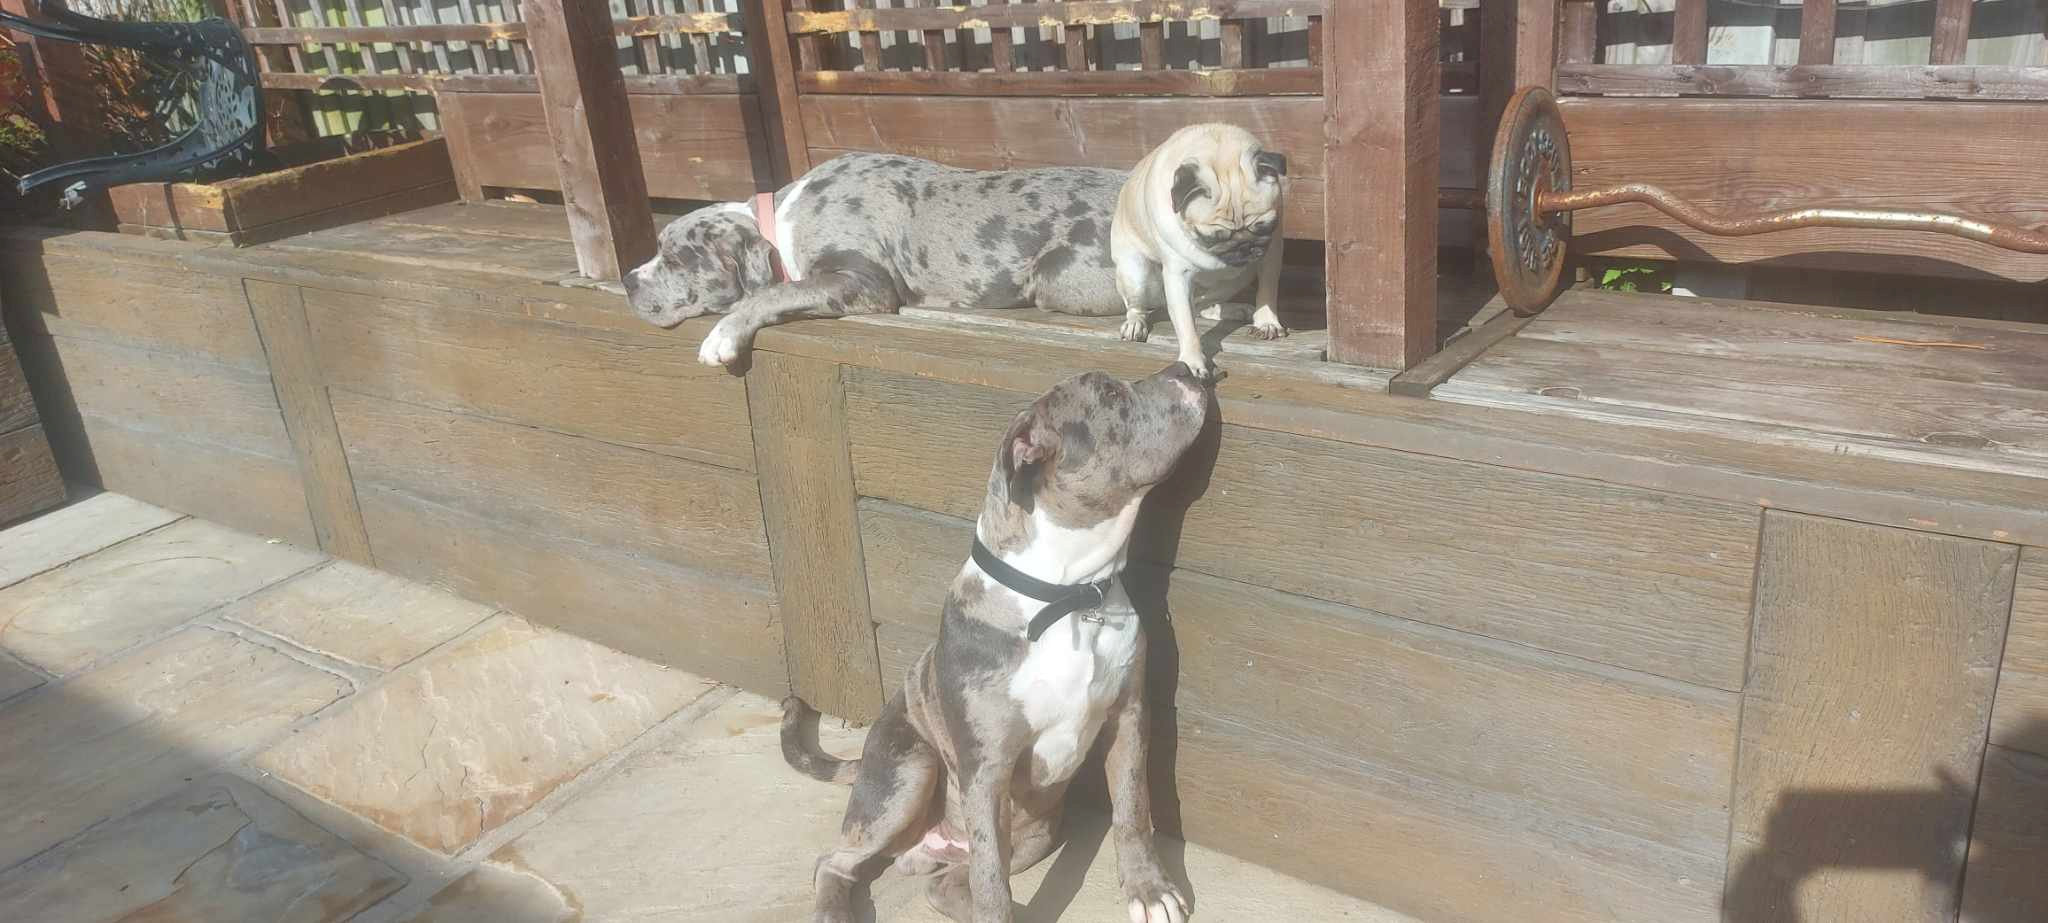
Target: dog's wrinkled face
[(1092, 445), (1229, 199), (708, 259)]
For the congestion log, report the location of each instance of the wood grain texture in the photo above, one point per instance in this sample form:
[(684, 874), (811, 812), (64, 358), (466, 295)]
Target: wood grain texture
[(781, 116), (459, 136), (691, 147), (280, 314), (1494, 718), (710, 624), (596, 152), (1871, 670), (1627, 577), (1689, 32), (178, 397), (152, 306), (1734, 156), (255, 493), (1382, 145), (632, 387), (2009, 840), (29, 480), (1817, 32), (807, 500), (666, 508), (1951, 39), (1870, 81), (17, 403), (2019, 719)]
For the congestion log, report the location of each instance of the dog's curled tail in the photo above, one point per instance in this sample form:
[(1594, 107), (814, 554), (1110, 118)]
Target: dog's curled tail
[(800, 747)]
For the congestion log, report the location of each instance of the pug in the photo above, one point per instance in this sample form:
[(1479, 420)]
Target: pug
[(1197, 219)]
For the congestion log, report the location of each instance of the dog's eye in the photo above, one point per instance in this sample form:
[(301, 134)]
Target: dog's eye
[(1265, 228)]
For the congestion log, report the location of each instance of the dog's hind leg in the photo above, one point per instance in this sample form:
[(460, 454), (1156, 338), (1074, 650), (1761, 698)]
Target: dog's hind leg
[(839, 284), (894, 799)]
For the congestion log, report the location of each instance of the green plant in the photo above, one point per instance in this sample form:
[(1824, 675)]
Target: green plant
[(1634, 278), (21, 140)]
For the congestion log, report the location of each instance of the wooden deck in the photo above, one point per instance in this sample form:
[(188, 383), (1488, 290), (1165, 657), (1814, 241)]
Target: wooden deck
[(1631, 618)]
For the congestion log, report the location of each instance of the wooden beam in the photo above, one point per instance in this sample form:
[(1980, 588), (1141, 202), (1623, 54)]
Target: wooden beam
[(597, 156), (1951, 32), (1689, 32), (1817, 32), (1868, 81), (768, 48), (280, 313), (1381, 155), (1581, 32)]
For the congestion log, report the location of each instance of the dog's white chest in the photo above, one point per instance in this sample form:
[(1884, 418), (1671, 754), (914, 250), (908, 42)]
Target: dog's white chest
[(1068, 680)]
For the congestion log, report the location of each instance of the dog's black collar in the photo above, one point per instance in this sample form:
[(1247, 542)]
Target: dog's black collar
[(1060, 599)]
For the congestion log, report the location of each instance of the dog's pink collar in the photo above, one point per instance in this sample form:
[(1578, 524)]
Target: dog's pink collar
[(764, 219)]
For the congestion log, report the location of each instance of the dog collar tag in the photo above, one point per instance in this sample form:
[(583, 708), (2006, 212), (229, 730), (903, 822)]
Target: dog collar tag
[(764, 219), (1061, 599)]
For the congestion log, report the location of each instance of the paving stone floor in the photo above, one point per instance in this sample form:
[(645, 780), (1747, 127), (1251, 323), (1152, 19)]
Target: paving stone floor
[(202, 725)]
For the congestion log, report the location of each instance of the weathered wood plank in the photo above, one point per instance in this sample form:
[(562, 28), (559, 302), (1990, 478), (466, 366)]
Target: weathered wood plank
[(1839, 81), (1951, 37), (17, 404), (1869, 686), (1689, 32), (150, 306), (867, 18), (1749, 155), (666, 508), (1834, 407), (1628, 577), (635, 388), (781, 115), (1655, 762), (280, 314), (692, 147), (1382, 144), (807, 500), (597, 153), (710, 624), (255, 493), (2019, 719), (2009, 840), (188, 399), (29, 480), (463, 152), (1213, 82), (1817, 32)]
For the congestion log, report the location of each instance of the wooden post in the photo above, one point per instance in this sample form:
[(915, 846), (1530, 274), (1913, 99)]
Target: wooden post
[(597, 158), (1380, 134), (774, 67)]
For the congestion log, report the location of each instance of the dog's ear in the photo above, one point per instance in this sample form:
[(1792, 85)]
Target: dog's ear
[(1187, 184), (1026, 448), (757, 264), (1270, 164)]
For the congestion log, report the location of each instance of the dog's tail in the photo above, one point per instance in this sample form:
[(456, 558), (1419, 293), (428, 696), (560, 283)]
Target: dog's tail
[(800, 746)]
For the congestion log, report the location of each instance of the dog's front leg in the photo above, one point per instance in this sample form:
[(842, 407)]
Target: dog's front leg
[(1179, 279), (1149, 896), (1266, 317), (826, 293), (988, 804)]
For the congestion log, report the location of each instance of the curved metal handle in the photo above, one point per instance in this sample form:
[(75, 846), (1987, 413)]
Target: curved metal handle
[(2007, 236)]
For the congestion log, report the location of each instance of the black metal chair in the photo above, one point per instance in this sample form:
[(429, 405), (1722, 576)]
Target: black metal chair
[(211, 61)]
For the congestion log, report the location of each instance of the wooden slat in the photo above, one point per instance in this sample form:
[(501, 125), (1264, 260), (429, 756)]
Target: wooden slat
[(1421, 538), (1753, 155), (647, 48), (998, 37), (1087, 83), (153, 307), (1817, 32), (170, 395), (1074, 45), (1841, 81), (709, 624), (536, 373), (413, 169), (934, 42), (2009, 840), (807, 500), (636, 84), (781, 114), (1406, 699), (280, 315), (1383, 146), (870, 42), (1004, 14), (2019, 721), (1951, 40), (1840, 814), (691, 147), (486, 32), (402, 49), (1151, 45), (1579, 38), (590, 122), (462, 153), (700, 45), (1689, 32), (29, 480), (17, 405), (669, 509)]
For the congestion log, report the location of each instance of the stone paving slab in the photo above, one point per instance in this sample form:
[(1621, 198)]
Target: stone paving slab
[(710, 825), (16, 677), (219, 850), (363, 616), (475, 733), (63, 619), (74, 531), (96, 745)]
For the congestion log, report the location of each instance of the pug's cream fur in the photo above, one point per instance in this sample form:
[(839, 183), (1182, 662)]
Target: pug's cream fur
[(1198, 218)]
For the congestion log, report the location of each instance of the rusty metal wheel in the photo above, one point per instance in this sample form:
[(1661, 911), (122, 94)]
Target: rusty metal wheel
[(1531, 157)]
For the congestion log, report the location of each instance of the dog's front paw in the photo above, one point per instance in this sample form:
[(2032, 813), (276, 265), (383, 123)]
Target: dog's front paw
[(1198, 364), (1266, 324), (1155, 900), (1135, 328), (722, 345)]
